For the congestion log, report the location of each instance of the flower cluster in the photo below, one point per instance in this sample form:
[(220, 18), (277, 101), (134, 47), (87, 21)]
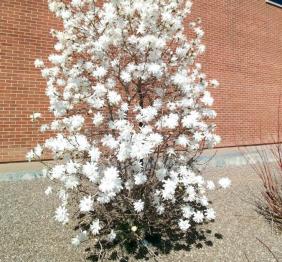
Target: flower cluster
[(130, 105)]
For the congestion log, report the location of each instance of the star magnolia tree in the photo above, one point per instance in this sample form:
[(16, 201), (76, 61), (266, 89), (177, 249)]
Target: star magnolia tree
[(130, 106)]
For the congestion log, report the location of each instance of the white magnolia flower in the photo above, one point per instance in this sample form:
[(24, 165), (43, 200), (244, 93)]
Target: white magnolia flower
[(168, 121), (74, 122), (182, 140), (75, 241), (95, 154), (160, 209), (161, 174), (140, 179), (44, 128), (190, 120), (171, 151), (114, 97), (210, 214), (30, 155), (65, 14), (82, 236), (184, 225), (100, 90), (109, 141), (62, 215), (59, 47), (147, 114), (155, 69), (55, 58), (63, 196), (98, 119), (86, 204), (81, 142), (198, 137), (77, 3), (35, 116), (45, 172), (71, 167), (90, 170), (187, 211), (214, 83), (207, 99), (111, 236), (48, 191), (224, 182), (198, 217), (204, 201), (210, 185), (169, 188), (138, 206), (95, 227), (71, 182), (38, 63), (99, 72), (111, 182), (58, 171), (125, 76)]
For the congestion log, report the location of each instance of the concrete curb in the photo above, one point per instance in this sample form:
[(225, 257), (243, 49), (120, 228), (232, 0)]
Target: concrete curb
[(19, 176), (232, 157), (20, 171)]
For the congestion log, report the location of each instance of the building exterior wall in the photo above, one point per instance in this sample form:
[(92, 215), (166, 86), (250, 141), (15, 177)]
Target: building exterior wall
[(24, 36), (244, 53), (244, 45)]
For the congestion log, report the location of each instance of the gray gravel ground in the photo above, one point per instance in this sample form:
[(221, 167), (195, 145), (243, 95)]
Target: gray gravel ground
[(28, 232)]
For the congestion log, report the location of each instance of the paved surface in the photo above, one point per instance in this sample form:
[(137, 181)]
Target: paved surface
[(29, 234)]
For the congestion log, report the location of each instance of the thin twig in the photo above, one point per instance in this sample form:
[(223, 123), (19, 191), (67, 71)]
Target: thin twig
[(246, 257), (268, 249)]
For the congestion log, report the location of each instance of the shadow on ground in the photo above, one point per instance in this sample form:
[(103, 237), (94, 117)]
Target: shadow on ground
[(155, 244)]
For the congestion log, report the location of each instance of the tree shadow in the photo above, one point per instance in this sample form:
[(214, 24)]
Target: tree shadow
[(155, 244)]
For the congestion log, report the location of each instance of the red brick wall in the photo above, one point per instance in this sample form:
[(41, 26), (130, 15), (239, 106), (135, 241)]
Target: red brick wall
[(24, 36), (244, 52)]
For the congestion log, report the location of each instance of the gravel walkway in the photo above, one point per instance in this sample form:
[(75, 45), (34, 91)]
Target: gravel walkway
[(29, 234)]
